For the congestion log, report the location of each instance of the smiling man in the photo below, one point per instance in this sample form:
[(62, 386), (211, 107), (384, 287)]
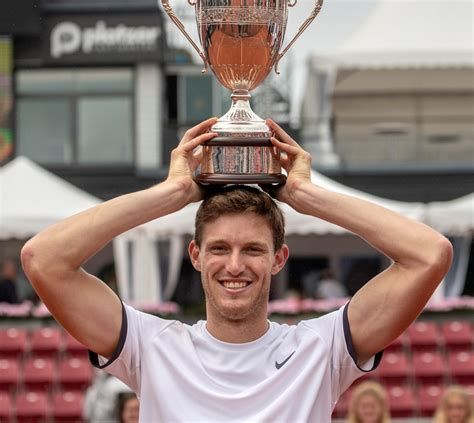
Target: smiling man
[(236, 365)]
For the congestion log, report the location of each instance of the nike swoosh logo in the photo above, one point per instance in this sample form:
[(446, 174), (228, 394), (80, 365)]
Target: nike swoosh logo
[(280, 365)]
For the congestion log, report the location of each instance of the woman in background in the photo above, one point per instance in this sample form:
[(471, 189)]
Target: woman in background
[(127, 407), (456, 406), (369, 404)]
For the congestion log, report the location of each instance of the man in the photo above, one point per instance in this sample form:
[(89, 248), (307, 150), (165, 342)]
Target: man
[(8, 281), (236, 366)]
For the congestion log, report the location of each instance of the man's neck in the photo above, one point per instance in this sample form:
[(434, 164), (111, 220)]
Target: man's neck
[(237, 331)]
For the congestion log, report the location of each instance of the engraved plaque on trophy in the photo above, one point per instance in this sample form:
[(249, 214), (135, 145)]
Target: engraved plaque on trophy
[(241, 42)]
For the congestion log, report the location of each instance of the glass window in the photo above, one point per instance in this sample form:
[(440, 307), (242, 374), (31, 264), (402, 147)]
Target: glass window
[(198, 98), (74, 81), (104, 130), (69, 116), (44, 143)]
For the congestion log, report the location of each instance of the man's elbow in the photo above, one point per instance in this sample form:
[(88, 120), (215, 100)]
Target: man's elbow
[(441, 257), (29, 260), (35, 262)]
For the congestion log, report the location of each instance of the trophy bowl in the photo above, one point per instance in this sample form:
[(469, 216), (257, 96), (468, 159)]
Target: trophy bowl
[(241, 41)]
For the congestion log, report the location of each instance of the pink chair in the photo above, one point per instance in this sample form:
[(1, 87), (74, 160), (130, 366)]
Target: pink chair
[(67, 406), (31, 407)]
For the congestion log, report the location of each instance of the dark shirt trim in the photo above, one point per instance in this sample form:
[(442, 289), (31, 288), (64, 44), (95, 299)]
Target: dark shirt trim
[(94, 358), (350, 346)]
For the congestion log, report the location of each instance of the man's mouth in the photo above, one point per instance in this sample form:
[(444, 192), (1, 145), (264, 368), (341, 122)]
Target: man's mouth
[(235, 284)]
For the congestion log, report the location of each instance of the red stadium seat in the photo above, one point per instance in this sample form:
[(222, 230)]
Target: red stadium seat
[(429, 396), (39, 374), (461, 366), (6, 407), (67, 406), (13, 342), (423, 336), (31, 407), (458, 335), (394, 368), (402, 401), (429, 367), (73, 347), (46, 342), (9, 374), (75, 373)]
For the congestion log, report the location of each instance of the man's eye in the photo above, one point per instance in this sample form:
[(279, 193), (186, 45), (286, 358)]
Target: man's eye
[(218, 249)]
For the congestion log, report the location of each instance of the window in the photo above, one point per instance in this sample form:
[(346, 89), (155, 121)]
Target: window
[(75, 117)]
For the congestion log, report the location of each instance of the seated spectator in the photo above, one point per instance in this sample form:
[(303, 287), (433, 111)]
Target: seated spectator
[(8, 288), (456, 406), (369, 404), (329, 287), (127, 407), (100, 403)]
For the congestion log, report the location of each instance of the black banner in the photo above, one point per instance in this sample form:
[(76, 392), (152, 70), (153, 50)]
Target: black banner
[(108, 38)]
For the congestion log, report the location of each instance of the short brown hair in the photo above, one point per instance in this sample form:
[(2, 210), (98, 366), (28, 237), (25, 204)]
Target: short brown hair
[(234, 199)]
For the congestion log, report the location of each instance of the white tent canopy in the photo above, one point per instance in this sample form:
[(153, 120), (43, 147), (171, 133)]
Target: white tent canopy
[(31, 198), (412, 33), (455, 217)]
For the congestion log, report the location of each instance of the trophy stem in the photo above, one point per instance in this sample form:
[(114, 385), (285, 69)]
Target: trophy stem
[(241, 120)]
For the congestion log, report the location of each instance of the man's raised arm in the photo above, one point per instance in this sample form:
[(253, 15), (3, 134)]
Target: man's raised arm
[(52, 260), (383, 308)]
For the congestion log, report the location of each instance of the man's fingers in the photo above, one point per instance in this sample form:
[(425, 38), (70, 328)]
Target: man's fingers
[(194, 142), (198, 129), (287, 148), (281, 133)]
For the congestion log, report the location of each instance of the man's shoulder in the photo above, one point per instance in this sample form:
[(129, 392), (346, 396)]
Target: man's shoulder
[(147, 322)]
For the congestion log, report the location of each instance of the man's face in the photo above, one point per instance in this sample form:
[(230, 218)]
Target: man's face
[(236, 259)]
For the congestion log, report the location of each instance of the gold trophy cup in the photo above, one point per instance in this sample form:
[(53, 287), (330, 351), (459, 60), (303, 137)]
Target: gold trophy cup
[(241, 41)]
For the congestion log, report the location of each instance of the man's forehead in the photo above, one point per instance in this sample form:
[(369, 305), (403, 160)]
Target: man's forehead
[(236, 224)]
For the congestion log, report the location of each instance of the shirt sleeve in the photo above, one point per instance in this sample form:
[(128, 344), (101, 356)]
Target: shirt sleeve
[(334, 328), (125, 362), (346, 367)]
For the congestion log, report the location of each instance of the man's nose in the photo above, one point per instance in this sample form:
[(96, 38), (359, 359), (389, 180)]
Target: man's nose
[(235, 263)]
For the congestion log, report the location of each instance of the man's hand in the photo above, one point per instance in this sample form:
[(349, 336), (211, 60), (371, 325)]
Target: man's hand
[(296, 162), (185, 160)]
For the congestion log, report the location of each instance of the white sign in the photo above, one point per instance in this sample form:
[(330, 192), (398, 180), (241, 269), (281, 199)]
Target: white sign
[(69, 38)]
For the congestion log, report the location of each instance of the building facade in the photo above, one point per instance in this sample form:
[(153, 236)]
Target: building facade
[(96, 94)]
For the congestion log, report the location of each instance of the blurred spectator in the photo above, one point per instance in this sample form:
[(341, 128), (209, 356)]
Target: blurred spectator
[(8, 288), (127, 407), (456, 406), (369, 404), (100, 405), (329, 287)]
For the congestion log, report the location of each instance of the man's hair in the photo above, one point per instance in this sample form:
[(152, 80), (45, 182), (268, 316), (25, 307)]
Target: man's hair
[(235, 199)]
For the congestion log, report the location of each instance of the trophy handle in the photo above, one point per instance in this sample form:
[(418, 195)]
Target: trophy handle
[(317, 7), (169, 10)]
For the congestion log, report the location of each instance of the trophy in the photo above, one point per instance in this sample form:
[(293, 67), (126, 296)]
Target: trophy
[(241, 41)]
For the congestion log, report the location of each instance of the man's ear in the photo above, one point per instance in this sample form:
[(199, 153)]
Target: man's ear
[(281, 256), (193, 250)]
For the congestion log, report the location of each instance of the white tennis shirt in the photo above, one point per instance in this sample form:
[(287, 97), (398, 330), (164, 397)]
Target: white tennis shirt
[(181, 373)]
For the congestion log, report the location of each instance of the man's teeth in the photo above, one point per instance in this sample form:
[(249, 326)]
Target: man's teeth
[(235, 285)]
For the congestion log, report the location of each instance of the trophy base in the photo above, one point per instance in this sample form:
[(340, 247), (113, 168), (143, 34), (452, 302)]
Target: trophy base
[(233, 178), (240, 160)]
